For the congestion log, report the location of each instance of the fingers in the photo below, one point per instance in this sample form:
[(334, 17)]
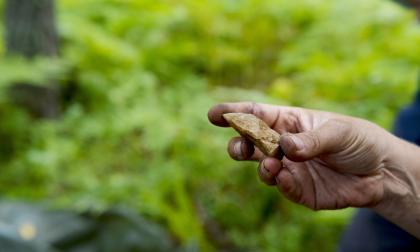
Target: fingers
[(269, 169), (331, 137), (293, 179), (239, 148), (268, 113), (287, 181), (295, 182)]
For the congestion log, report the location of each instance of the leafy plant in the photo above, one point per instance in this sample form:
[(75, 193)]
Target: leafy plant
[(138, 78)]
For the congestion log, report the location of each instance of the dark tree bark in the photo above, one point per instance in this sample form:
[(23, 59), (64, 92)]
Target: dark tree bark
[(31, 32), (30, 28)]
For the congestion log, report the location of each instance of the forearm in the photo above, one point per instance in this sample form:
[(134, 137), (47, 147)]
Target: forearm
[(401, 203)]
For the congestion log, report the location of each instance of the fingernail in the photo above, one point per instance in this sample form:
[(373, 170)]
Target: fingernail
[(237, 149), (298, 142)]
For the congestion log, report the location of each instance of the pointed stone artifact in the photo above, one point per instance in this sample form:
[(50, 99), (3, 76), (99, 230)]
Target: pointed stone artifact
[(257, 131)]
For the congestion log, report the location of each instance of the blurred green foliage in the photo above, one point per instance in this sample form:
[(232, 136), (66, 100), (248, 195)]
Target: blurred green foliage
[(139, 77)]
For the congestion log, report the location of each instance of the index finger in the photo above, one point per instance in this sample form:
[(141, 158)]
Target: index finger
[(266, 112)]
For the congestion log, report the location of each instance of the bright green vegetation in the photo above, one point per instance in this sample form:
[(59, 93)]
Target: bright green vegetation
[(141, 76)]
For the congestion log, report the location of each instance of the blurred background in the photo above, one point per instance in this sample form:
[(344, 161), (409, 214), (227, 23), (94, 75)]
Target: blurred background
[(104, 138)]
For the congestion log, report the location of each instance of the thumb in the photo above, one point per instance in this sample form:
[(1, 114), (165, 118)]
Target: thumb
[(331, 137)]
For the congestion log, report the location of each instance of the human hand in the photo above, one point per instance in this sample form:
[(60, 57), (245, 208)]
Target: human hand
[(331, 161)]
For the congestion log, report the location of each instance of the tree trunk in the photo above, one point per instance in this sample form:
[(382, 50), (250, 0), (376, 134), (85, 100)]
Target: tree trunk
[(30, 28), (31, 32)]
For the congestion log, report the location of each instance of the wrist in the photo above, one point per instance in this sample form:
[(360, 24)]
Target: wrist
[(401, 176)]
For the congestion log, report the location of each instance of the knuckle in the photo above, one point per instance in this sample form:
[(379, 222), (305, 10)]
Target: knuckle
[(256, 109), (264, 176), (344, 130), (313, 140), (341, 126)]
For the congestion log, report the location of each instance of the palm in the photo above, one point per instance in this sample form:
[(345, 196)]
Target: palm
[(317, 186)]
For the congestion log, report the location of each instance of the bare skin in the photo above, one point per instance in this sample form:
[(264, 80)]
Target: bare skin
[(334, 161)]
